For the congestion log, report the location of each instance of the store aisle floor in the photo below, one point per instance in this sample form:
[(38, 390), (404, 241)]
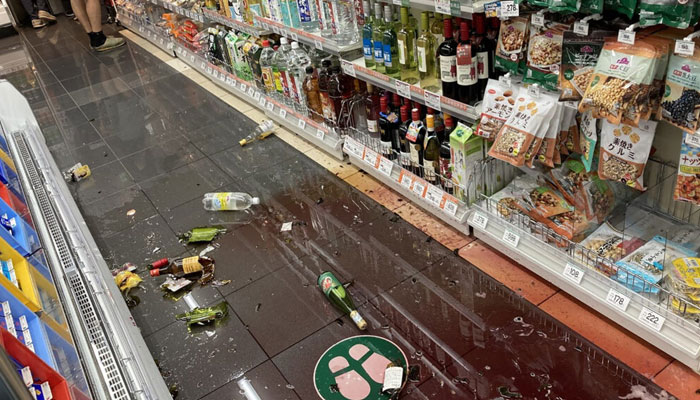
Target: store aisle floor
[(156, 142)]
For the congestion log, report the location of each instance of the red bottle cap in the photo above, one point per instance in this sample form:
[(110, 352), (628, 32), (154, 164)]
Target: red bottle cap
[(384, 104), (396, 100), (447, 23), (157, 264), (464, 30), (449, 123), (155, 272), (479, 21), (404, 112), (266, 43), (415, 114)]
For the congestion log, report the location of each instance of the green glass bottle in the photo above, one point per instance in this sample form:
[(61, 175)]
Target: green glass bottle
[(436, 28), (391, 49), (377, 44), (340, 298), (367, 48), (406, 42), (425, 54)]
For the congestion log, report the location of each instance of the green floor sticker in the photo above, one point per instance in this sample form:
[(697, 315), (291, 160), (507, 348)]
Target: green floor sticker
[(353, 369)]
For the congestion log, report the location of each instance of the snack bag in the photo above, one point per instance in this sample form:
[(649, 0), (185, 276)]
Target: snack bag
[(506, 199), (687, 182), (623, 73), (545, 153), (624, 7), (624, 151), (572, 225), (520, 129), (550, 122), (591, 6), (671, 13), (498, 103), (545, 202), (681, 102), (685, 276), (511, 45), (564, 6), (544, 54), (579, 58), (568, 111), (589, 137), (606, 243)]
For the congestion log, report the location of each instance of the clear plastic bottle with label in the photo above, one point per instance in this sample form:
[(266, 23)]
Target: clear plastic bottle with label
[(228, 201), (266, 67), (280, 67), (308, 15)]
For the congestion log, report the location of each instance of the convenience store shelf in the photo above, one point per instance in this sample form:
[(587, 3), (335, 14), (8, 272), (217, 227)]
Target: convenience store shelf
[(654, 322), (310, 39), (322, 137), (435, 101), (132, 23), (429, 197), (430, 5)]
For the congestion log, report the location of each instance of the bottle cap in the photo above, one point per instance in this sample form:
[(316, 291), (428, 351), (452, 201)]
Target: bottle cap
[(404, 15), (424, 20), (415, 114), (479, 20), (384, 104), (449, 123), (430, 121), (242, 142), (295, 45), (396, 100), (326, 63), (464, 30), (404, 112), (255, 200), (155, 272), (447, 24), (283, 40), (309, 69), (266, 43)]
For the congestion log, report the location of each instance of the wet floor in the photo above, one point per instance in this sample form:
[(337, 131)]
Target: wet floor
[(156, 142)]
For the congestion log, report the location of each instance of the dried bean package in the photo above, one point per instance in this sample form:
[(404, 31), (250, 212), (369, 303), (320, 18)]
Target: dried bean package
[(545, 153), (498, 103), (667, 12), (606, 243), (564, 6), (681, 102), (687, 182), (579, 58), (544, 54), (624, 151), (512, 42), (589, 137)]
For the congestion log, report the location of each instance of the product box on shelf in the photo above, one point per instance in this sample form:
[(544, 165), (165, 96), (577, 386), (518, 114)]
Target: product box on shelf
[(466, 151)]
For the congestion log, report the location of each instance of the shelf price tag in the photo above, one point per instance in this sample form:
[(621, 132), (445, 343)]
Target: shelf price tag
[(370, 157), (351, 146), (251, 92), (651, 319), (396, 2), (256, 95), (693, 139), (261, 100), (442, 6), (283, 113), (684, 47), (318, 44), (203, 66), (624, 36), (432, 100), (449, 204), (479, 220), (405, 179), (294, 36), (209, 70), (320, 134), (348, 68), (537, 19), (403, 89), (385, 166), (244, 87), (618, 300), (509, 9), (270, 106), (192, 58), (434, 195), (581, 28), (511, 238), (573, 273), (301, 123), (418, 187)]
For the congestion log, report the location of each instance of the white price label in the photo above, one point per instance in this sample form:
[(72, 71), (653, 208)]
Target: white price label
[(351, 146), (251, 92), (624, 36), (141, 29), (294, 36), (283, 113), (192, 58), (348, 68), (537, 19), (385, 166), (270, 106), (573, 273), (479, 220), (432, 100), (581, 28), (434, 195), (162, 41), (276, 30), (170, 45), (651, 319), (403, 89), (229, 80), (222, 77), (692, 139), (244, 87), (301, 123), (418, 188), (320, 134), (318, 44), (509, 9), (261, 100), (405, 180), (618, 300), (684, 47), (209, 70), (511, 237), (256, 96), (450, 206), (370, 157), (442, 6), (396, 2), (203, 66)]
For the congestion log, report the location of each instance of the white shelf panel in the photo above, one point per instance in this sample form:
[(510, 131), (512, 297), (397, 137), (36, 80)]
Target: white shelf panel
[(677, 336), (429, 197)]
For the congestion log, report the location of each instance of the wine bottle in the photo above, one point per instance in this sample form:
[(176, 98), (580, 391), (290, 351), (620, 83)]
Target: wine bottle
[(390, 48), (340, 298), (466, 67), (447, 54), (406, 41), (425, 54), (405, 151), (372, 111), (415, 136), (377, 38), (431, 151), (483, 54), (367, 38), (184, 267)]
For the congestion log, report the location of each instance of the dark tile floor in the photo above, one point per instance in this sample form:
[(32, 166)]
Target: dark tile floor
[(156, 142)]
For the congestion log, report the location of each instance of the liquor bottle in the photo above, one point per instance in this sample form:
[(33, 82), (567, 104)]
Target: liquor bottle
[(484, 53), (336, 293), (279, 71), (405, 146), (184, 267), (372, 109), (299, 60), (492, 40), (313, 96), (388, 128), (265, 129), (266, 68), (358, 108), (367, 38), (447, 54), (466, 67), (436, 27), (415, 136), (431, 151), (253, 54), (323, 86), (340, 89), (406, 42), (390, 49), (340, 21), (378, 37), (425, 54), (446, 158), (308, 15)]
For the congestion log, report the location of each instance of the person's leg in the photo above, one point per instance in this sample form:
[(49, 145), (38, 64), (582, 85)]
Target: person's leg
[(89, 13), (44, 13), (32, 11)]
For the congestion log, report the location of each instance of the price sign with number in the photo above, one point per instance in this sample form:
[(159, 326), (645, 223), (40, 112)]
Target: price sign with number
[(318, 44), (256, 96), (432, 100), (449, 205), (209, 70), (403, 89), (573, 273), (370, 157), (624, 36), (348, 68), (509, 9), (434, 195), (581, 28), (511, 238), (442, 6), (537, 19), (244, 87), (283, 113), (479, 220), (419, 186), (301, 123), (405, 179), (294, 36), (320, 134), (618, 300), (192, 58), (261, 100), (352, 147), (385, 166), (651, 319), (251, 92), (684, 47), (692, 140), (270, 106)]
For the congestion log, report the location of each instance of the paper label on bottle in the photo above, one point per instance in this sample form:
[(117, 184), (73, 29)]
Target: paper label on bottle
[(422, 61), (402, 51), (378, 52), (466, 66), (448, 68), (191, 264), (393, 378), (387, 56), (482, 65), (372, 126)]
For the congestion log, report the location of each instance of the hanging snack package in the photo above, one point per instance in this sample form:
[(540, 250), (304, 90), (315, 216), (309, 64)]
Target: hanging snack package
[(579, 58), (520, 129), (545, 153), (684, 281), (564, 6), (589, 137), (624, 151), (647, 98), (565, 125), (544, 54), (687, 182), (681, 102), (623, 71), (498, 103), (538, 139), (673, 13), (506, 200), (591, 6), (625, 7), (544, 202), (573, 139), (606, 244), (512, 42)]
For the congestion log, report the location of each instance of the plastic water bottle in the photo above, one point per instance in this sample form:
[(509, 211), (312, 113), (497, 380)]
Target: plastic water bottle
[(299, 60), (261, 132), (280, 69), (266, 66), (224, 201)]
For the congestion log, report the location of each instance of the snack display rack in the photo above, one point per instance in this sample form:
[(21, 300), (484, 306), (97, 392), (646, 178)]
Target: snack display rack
[(135, 24), (85, 343)]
